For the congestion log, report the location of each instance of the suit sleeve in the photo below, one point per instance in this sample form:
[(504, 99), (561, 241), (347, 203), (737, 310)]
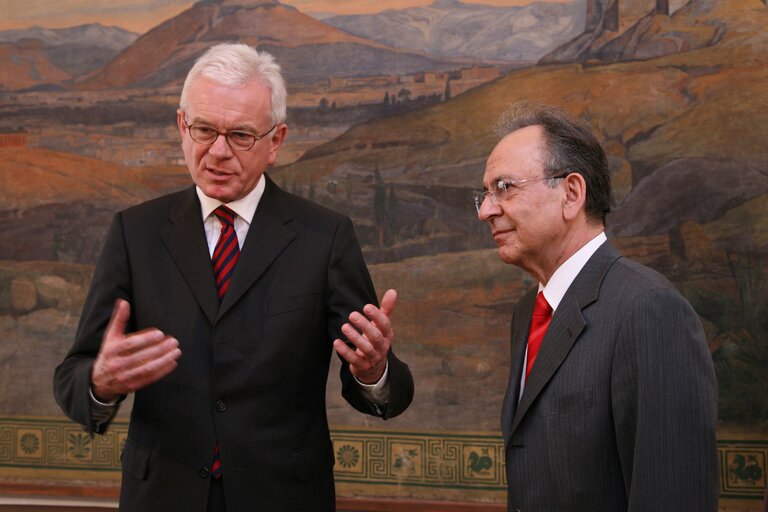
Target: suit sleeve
[(349, 289), (72, 378), (664, 399)]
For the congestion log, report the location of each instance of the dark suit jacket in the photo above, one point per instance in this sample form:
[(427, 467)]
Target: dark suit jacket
[(253, 370), (620, 407)]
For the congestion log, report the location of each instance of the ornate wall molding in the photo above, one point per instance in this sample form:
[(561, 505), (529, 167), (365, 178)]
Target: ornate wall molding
[(408, 464)]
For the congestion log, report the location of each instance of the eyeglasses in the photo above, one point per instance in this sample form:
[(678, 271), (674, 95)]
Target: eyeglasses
[(237, 139), (504, 187)]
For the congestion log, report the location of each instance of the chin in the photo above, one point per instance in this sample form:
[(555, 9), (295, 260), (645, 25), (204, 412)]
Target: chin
[(215, 191), (509, 256)]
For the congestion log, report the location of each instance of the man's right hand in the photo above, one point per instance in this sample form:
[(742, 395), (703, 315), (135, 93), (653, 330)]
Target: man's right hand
[(129, 362)]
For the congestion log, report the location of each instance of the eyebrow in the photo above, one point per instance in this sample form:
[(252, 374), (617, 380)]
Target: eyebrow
[(237, 128)]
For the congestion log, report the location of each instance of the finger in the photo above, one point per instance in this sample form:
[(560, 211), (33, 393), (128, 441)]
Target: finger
[(362, 343), (373, 332), (379, 320), (149, 373), (351, 356), (141, 340), (388, 302), (118, 321), (168, 346)]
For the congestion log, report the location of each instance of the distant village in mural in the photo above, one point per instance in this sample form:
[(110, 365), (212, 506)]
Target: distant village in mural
[(390, 118)]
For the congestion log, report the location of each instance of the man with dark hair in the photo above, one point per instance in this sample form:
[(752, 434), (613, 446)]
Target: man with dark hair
[(220, 307), (611, 402)]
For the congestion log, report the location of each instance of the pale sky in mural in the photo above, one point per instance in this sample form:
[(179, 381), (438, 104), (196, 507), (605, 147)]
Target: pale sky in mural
[(141, 15)]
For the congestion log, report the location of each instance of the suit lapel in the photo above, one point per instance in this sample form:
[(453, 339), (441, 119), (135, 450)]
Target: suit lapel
[(567, 324), (185, 241), (267, 237), (521, 321)]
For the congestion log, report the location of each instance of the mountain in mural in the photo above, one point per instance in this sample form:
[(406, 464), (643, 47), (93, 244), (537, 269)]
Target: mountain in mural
[(307, 49), (90, 34), (26, 64), (624, 31), (450, 28), (49, 56)]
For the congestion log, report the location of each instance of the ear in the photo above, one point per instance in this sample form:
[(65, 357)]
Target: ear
[(276, 140), (180, 122), (575, 198)]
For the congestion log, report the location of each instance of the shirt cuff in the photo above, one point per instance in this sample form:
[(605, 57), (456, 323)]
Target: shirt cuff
[(378, 392), (112, 403)]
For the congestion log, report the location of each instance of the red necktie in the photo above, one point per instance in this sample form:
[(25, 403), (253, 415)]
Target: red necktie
[(224, 258), (227, 250), (542, 315)]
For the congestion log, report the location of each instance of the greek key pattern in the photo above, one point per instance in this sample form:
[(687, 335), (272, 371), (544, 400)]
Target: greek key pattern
[(57, 448), (419, 459), (40, 443)]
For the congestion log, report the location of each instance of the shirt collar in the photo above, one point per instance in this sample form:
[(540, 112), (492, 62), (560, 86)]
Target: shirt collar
[(245, 207), (565, 274)]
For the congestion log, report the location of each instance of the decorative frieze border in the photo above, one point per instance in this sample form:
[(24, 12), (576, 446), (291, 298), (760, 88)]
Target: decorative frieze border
[(53, 449)]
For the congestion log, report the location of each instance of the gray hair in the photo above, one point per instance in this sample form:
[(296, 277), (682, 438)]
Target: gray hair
[(569, 145), (235, 65)]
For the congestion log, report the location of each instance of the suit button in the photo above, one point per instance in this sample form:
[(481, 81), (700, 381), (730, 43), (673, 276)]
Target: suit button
[(221, 406), (203, 472)]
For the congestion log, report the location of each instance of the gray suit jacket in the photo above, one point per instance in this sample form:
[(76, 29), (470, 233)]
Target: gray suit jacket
[(620, 408)]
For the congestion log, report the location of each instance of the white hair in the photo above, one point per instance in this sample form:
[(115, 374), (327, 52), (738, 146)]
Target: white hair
[(235, 65)]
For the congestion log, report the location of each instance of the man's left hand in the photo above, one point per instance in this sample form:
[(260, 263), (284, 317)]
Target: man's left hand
[(372, 335)]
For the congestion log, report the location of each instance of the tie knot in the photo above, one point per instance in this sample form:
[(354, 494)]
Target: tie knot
[(225, 215), (542, 307)]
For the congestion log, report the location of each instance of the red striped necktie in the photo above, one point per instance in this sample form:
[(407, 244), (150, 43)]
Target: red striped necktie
[(224, 259), (542, 315), (227, 250)]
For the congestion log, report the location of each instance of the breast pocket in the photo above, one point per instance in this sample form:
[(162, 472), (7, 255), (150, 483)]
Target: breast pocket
[(568, 402), (301, 302)]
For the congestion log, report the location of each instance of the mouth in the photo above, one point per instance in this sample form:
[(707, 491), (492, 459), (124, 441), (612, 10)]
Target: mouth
[(500, 234), (217, 172)]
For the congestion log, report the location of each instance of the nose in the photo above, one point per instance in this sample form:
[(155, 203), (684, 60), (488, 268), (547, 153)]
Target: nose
[(488, 209), (220, 148)]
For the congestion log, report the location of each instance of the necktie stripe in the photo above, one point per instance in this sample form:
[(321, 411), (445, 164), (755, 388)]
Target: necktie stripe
[(216, 466), (224, 258), (227, 250), (225, 215), (226, 247)]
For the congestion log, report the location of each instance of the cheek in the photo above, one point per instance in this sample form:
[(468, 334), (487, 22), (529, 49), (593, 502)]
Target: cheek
[(189, 151)]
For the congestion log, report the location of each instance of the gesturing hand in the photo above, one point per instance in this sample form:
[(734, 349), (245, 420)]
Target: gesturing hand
[(372, 336), (129, 362)]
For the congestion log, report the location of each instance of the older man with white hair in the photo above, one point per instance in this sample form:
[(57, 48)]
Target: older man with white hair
[(220, 307)]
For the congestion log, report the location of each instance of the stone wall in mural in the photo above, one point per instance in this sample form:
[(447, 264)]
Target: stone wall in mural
[(390, 122)]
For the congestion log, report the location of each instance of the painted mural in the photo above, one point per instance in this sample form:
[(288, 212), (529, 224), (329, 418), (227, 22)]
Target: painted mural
[(391, 106)]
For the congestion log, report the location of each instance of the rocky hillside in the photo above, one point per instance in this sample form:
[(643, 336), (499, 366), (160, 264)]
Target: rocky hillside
[(307, 49), (451, 28)]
